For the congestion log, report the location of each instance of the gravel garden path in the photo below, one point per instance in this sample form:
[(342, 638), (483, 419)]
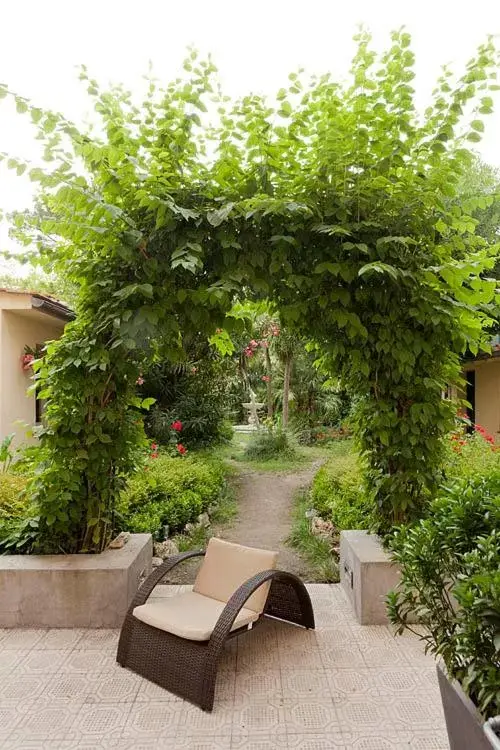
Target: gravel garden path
[(265, 505)]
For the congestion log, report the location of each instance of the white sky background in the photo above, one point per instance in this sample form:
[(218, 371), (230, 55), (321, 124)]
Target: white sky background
[(254, 43)]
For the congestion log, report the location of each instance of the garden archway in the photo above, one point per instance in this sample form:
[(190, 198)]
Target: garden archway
[(337, 203)]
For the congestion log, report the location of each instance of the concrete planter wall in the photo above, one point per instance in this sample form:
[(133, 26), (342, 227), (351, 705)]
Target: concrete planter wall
[(464, 723), (367, 575), (72, 591)]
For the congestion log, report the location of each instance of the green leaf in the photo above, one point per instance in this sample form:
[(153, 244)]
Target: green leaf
[(215, 218), (285, 109), (377, 267)]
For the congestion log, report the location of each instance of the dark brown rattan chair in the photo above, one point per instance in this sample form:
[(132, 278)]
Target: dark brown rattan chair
[(188, 667)]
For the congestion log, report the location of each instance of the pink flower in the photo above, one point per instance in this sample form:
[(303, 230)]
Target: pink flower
[(140, 380), (194, 370), (266, 378)]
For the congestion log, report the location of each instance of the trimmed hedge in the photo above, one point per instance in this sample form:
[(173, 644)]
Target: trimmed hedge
[(337, 494), (171, 491)]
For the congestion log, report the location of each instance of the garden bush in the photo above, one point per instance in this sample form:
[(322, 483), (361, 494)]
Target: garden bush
[(270, 443), (12, 500), (171, 491), (471, 456), (18, 521), (194, 392), (453, 556), (337, 494)]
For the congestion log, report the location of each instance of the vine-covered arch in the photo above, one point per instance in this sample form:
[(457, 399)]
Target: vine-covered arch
[(338, 202)]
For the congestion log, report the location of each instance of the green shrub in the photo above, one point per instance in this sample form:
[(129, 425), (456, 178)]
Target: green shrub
[(171, 491), (194, 392), (12, 499), (337, 494), (18, 518), (270, 443), (471, 456), (454, 556)]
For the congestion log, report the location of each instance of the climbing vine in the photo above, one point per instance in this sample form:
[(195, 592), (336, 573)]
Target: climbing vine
[(336, 201)]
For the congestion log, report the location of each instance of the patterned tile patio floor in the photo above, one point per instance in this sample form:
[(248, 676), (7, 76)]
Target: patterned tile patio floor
[(342, 686)]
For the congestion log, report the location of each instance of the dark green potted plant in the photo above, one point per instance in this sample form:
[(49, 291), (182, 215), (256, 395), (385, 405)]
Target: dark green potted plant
[(450, 581)]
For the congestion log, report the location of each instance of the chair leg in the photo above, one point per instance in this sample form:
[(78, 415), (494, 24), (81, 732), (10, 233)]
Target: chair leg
[(208, 686), (289, 600)]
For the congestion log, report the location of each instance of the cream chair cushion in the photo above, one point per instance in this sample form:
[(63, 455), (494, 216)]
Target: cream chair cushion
[(226, 566), (190, 615)]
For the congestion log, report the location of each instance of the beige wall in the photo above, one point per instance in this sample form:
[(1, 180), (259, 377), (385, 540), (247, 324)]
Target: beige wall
[(488, 394), (19, 327)]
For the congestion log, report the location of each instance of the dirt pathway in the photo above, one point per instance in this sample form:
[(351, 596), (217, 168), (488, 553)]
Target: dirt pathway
[(265, 504)]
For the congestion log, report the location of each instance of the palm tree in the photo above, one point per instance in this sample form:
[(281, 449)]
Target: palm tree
[(286, 346)]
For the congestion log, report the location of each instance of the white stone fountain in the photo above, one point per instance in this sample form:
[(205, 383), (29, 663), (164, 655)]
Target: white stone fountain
[(253, 407)]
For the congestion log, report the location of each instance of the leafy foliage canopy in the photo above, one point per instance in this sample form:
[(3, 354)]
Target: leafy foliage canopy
[(334, 202)]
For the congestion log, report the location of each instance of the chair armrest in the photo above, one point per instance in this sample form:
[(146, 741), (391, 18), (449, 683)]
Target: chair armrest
[(238, 600), (157, 574)]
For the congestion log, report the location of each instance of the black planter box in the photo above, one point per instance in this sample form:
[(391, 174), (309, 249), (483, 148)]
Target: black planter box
[(463, 721)]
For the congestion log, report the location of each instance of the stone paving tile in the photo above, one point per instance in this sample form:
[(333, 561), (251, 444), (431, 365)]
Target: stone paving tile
[(154, 720), (22, 638), (59, 638), (261, 718), (341, 687), (252, 742), (331, 741)]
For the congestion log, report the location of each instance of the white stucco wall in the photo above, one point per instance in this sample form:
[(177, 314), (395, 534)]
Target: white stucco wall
[(20, 325)]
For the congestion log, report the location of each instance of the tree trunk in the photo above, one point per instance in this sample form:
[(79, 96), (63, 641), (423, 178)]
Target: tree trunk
[(286, 390), (270, 407)]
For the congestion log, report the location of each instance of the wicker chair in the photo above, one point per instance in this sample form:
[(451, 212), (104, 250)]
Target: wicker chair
[(176, 641)]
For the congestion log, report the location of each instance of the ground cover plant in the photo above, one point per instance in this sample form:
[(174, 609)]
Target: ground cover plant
[(335, 201)]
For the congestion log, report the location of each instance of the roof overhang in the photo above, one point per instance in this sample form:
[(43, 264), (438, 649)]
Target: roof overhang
[(52, 307)]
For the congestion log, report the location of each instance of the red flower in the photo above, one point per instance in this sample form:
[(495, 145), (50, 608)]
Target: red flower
[(154, 447), (26, 361), (266, 378), (181, 448), (176, 425), (154, 455)]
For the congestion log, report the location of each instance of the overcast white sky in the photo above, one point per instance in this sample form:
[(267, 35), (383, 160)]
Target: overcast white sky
[(255, 44)]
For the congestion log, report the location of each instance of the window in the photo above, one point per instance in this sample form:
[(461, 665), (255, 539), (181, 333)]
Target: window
[(470, 395), (39, 409)]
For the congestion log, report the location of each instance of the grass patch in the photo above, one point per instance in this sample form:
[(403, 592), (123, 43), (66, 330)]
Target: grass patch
[(235, 455), (315, 550)]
